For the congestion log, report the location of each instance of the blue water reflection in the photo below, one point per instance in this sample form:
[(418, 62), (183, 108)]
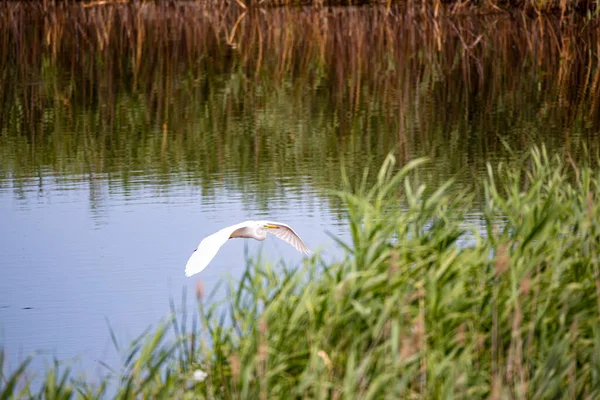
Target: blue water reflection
[(75, 252)]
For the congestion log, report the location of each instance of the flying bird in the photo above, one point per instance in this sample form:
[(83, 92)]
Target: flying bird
[(210, 245)]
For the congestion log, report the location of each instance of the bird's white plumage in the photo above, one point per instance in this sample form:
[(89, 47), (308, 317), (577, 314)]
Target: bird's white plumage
[(210, 245), (286, 233), (207, 249)]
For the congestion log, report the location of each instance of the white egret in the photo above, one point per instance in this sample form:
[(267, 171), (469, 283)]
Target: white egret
[(210, 245)]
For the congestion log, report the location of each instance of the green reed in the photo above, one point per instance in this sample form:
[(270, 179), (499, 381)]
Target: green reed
[(422, 305)]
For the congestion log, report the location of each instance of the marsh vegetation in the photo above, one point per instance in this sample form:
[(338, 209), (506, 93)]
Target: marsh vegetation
[(408, 312), (423, 303)]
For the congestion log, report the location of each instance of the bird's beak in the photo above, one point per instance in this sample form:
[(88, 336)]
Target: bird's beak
[(271, 226)]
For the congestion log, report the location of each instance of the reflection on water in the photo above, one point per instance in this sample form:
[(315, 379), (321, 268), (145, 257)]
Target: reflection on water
[(130, 134), (72, 265)]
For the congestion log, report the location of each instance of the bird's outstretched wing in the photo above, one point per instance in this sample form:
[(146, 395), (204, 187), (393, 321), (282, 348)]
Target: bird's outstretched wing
[(286, 233), (208, 248)]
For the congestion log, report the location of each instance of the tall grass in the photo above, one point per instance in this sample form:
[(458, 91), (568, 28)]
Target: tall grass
[(422, 305), (358, 54), (280, 89)]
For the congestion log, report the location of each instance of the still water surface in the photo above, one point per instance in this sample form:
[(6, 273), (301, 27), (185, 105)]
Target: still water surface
[(118, 157), (69, 263)]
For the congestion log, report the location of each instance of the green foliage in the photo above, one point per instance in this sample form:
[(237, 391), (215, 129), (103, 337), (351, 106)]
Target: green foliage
[(423, 305)]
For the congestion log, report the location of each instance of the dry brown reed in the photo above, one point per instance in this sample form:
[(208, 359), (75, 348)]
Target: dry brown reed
[(375, 52), (403, 64)]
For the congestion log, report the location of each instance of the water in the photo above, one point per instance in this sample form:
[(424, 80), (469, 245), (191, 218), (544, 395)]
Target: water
[(112, 171), (70, 261)]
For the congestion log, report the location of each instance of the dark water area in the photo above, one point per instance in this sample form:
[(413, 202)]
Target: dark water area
[(129, 132)]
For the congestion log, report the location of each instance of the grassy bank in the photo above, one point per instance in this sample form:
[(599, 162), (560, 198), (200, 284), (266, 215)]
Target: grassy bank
[(423, 305)]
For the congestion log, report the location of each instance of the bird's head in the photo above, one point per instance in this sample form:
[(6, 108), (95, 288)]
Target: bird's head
[(260, 230)]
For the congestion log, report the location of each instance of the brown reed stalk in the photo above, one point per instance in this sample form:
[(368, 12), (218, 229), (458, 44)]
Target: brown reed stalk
[(383, 53)]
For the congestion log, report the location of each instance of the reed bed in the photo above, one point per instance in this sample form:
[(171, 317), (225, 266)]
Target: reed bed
[(237, 86), (411, 311), (374, 52)]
